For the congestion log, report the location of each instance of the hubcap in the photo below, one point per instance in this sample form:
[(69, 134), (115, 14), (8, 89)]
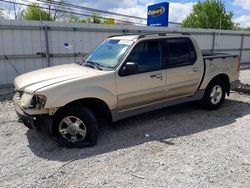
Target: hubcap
[(73, 129), (216, 94)]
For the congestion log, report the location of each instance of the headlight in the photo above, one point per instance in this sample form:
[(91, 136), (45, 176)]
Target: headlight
[(33, 101), (39, 101), (26, 100)]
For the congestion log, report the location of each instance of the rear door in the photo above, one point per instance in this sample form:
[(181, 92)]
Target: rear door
[(148, 84), (184, 71)]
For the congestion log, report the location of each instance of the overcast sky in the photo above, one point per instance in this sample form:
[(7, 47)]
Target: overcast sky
[(179, 9)]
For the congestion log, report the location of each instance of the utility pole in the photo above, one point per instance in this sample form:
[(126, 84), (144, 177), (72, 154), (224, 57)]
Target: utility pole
[(14, 7)]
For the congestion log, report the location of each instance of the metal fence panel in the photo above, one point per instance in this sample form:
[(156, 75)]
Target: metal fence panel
[(31, 45), (245, 56), (227, 42), (247, 43), (205, 41)]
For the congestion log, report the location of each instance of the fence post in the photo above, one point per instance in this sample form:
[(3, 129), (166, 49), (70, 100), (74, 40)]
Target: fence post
[(45, 28), (213, 42), (241, 45)]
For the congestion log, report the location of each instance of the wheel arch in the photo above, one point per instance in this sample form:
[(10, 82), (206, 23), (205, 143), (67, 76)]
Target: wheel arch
[(222, 77), (98, 106)]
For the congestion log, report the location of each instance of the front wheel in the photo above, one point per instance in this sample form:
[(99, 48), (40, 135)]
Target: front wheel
[(214, 95), (76, 127)]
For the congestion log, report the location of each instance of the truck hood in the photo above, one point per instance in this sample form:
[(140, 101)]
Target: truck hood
[(38, 79)]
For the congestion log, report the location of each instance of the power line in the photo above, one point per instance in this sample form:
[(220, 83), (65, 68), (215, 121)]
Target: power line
[(18, 3), (92, 9), (78, 7), (96, 10), (69, 12)]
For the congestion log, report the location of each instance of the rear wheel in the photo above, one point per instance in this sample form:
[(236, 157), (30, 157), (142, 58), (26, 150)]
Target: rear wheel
[(214, 95), (76, 127)]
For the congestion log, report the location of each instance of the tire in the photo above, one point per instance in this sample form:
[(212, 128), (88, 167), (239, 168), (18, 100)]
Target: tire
[(214, 95), (76, 127)]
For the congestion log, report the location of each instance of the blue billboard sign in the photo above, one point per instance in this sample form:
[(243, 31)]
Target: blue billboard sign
[(158, 15)]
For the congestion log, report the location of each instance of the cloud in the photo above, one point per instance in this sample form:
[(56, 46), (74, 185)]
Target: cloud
[(111, 4), (243, 20), (138, 9), (179, 11), (242, 3)]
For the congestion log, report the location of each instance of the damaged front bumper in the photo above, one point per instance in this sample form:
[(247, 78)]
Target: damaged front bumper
[(38, 122)]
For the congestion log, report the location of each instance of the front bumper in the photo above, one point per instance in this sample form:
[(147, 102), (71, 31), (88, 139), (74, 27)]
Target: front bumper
[(38, 122), (28, 121)]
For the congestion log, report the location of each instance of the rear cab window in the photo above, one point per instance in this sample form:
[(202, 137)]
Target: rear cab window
[(179, 52)]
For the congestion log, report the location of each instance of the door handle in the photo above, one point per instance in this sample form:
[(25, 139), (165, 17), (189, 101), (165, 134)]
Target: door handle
[(159, 76), (195, 69)]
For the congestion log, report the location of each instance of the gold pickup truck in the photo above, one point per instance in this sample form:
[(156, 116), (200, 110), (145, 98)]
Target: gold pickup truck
[(124, 76)]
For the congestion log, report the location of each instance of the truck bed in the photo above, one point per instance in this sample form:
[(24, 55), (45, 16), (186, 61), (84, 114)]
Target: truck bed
[(219, 63), (213, 55)]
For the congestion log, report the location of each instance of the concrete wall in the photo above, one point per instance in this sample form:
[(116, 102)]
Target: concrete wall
[(31, 45)]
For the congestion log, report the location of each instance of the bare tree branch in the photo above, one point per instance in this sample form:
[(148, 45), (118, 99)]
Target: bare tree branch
[(57, 7)]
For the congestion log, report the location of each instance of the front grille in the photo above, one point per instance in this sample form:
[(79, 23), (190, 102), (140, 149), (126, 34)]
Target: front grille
[(19, 95)]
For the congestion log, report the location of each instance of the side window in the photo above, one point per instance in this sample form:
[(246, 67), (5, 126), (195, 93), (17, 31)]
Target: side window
[(148, 55), (180, 52), (192, 51)]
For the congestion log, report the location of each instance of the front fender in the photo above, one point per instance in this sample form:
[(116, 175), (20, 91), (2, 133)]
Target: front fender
[(59, 98)]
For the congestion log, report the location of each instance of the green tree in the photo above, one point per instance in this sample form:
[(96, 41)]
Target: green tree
[(210, 14), (247, 29), (73, 19), (94, 18), (34, 12), (97, 18), (76, 19)]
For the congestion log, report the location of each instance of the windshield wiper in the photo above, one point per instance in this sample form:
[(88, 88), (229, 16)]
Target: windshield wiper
[(92, 64)]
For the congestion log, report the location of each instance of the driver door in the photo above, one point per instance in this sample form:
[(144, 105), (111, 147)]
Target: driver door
[(148, 84)]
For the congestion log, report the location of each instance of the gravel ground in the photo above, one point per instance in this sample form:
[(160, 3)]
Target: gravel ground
[(244, 85), (245, 76), (181, 146)]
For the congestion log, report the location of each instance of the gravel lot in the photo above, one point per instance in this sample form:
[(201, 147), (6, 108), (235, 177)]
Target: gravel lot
[(181, 146), (245, 76)]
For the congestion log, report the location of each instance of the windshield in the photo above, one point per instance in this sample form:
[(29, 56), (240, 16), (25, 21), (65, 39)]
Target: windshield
[(109, 53)]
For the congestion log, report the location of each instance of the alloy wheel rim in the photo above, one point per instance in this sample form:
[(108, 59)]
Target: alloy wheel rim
[(216, 94), (72, 129)]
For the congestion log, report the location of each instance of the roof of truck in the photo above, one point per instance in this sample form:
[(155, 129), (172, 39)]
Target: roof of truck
[(146, 35), (125, 37)]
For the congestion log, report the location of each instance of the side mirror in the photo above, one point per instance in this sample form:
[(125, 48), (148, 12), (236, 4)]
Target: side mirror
[(129, 68)]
